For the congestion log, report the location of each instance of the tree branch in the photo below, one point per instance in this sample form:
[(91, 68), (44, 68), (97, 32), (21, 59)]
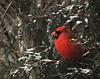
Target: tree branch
[(6, 12)]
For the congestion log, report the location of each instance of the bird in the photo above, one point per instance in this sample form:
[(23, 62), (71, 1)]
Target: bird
[(67, 49)]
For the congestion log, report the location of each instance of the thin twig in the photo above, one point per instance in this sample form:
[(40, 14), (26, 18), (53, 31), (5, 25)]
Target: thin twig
[(46, 6), (6, 12)]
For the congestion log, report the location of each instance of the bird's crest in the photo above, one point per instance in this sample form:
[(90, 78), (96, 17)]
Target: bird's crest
[(60, 28)]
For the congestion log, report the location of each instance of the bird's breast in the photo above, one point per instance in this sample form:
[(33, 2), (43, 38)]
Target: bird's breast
[(66, 49), (63, 47)]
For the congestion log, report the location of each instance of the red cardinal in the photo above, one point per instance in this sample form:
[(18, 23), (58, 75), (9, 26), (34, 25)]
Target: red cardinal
[(65, 47)]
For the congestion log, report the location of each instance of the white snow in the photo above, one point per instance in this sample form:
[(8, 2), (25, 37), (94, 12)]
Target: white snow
[(57, 12), (14, 72), (73, 69), (28, 52), (53, 13), (46, 60), (72, 17), (64, 8), (85, 71), (38, 5), (86, 53), (38, 57), (59, 5), (69, 7), (30, 49), (69, 73), (68, 21), (22, 58), (38, 54), (86, 20), (81, 36), (60, 10), (29, 15), (20, 23), (34, 21), (86, 25), (78, 22), (65, 16), (57, 62), (27, 67), (85, 41), (73, 0), (98, 43)]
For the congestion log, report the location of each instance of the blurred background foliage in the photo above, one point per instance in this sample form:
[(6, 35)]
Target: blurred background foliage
[(25, 41)]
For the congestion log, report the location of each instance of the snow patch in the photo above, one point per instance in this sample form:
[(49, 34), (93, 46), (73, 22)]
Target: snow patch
[(39, 5), (72, 17), (78, 22), (47, 60), (53, 13), (34, 21), (22, 58), (85, 71), (60, 10), (86, 20), (65, 16)]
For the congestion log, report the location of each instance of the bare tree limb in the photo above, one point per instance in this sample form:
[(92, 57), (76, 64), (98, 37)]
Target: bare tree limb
[(6, 12)]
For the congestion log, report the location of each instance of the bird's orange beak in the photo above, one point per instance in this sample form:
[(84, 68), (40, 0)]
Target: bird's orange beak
[(54, 34)]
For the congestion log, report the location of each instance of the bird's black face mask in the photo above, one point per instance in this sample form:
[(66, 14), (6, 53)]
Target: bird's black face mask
[(58, 33)]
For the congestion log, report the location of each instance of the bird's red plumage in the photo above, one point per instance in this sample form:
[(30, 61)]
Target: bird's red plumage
[(66, 48)]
